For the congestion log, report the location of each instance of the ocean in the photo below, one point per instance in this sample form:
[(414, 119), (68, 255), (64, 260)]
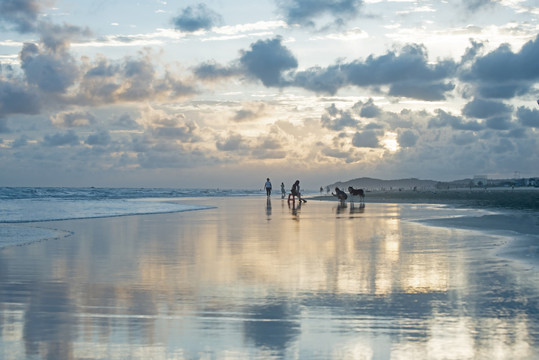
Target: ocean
[(27, 205)]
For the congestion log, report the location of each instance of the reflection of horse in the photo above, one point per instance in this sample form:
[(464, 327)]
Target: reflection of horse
[(357, 192)]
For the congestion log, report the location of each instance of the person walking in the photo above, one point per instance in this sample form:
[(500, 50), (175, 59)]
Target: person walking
[(283, 191), (267, 186)]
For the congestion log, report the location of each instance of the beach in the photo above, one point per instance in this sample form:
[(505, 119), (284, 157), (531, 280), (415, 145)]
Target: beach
[(257, 278)]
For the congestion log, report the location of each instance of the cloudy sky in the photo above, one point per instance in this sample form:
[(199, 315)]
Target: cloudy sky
[(225, 93)]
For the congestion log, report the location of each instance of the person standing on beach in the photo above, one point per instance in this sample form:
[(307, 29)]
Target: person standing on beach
[(283, 191), (267, 186), (295, 191)]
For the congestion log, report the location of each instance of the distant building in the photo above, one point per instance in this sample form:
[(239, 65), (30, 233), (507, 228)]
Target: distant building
[(480, 180)]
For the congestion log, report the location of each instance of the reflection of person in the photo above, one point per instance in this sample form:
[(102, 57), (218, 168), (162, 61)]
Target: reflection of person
[(295, 191), (341, 195), (283, 191), (267, 186)]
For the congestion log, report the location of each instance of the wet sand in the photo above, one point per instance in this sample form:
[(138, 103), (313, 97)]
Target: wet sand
[(255, 279)]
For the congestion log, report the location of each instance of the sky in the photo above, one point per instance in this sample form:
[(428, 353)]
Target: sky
[(224, 93)]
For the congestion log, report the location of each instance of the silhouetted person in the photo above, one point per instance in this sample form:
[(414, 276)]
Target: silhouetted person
[(295, 191), (267, 186)]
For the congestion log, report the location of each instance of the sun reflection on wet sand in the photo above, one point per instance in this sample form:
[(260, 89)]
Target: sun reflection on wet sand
[(312, 281)]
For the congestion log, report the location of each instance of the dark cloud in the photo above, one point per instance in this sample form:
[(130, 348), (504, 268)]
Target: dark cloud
[(528, 117), (499, 123), (476, 5), (407, 74), (321, 80), (336, 119), (370, 110), (101, 138), (368, 139), (336, 153), (16, 98), (503, 74), (463, 138), (305, 12), (213, 71), (407, 138), (232, 143), (58, 38), (482, 109), (21, 14), (503, 146), (61, 139), (194, 18), (21, 141), (187, 132), (443, 119), (424, 91), (267, 60), (51, 73)]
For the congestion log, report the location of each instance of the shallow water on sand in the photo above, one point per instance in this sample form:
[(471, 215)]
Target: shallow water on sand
[(256, 279)]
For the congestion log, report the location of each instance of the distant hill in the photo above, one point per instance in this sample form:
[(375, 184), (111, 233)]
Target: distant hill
[(367, 183), (378, 184)]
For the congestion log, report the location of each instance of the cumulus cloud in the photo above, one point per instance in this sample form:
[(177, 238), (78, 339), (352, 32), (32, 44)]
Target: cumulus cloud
[(267, 60), (443, 119), (22, 15), (69, 138), (101, 138), (306, 12), (367, 139), (194, 18), (482, 109), (58, 38), (336, 119), (503, 74), (16, 98), (213, 71), (407, 73), (499, 123), (127, 80), (50, 72), (231, 143), (407, 138), (370, 110), (73, 119)]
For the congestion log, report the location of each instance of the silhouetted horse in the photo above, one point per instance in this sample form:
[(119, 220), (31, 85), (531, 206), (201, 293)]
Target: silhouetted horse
[(357, 192)]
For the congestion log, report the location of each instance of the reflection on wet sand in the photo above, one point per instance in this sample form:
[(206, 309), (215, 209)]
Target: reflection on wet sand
[(317, 281)]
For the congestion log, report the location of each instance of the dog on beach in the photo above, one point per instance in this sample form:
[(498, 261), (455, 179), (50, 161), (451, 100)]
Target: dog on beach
[(357, 192)]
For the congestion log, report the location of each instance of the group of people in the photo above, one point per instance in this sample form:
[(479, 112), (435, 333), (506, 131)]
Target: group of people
[(294, 191), (341, 195)]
